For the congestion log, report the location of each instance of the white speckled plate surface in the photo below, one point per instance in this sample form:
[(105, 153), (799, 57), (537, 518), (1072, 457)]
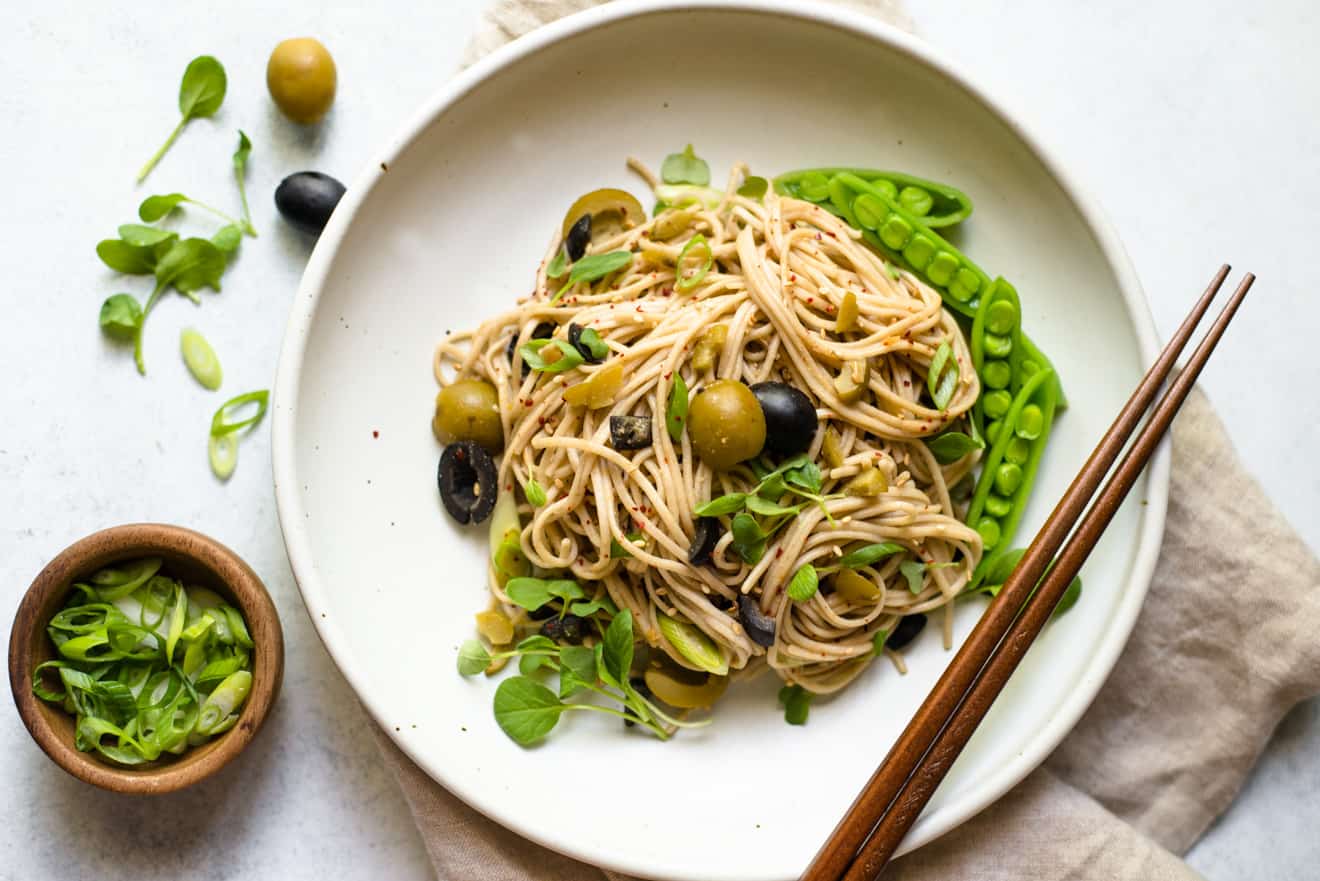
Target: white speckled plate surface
[(445, 227)]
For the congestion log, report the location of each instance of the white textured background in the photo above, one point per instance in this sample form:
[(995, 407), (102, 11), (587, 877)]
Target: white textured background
[(1194, 122)]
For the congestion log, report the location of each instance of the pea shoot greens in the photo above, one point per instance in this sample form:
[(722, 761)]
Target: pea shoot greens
[(201, 93)]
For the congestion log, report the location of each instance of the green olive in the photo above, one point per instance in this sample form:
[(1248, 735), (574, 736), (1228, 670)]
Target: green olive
[(469, 410), (726, 424), (612, 211), (301, 78)]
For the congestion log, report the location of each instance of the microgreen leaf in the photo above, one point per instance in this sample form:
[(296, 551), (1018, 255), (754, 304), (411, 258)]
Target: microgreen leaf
[(577, 669), (569, 357), (240, 173), (804, 583), (805, 476), (558, 265), (594, 345), (748, 539), (121, 316), (758, 505), (952, 446), (689, 275), (227, 238), (190, 265), (618, 551), (586, 608), (536, 651), (685, 168), (727, 504), (772, 488), (201, 93), (617, 654), (914, 571), (754, 187), (129, 259), (796, 702), (1071, 595), (942, 378), (472, 658), (535, 493), (533, 593), (868, 554), (140, 235), (878, 641), (676, 412), (153, 208), (594, 267), (525, 709)]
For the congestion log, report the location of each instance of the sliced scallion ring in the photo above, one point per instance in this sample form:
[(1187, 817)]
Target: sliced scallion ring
[(689, 276)]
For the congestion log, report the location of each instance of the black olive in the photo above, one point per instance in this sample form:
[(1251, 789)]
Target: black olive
[(542, 331), (790, 418), (307, 199), (543, 612), (579, 236), (704, 537), (630, 432), (905, 631), (575, 340), (468, 482), (760, 627), (569, 628)]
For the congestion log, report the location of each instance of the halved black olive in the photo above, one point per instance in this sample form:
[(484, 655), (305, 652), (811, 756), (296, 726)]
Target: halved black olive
[(468, 482), (546, 611), (569, 628), (704, 538), (905, 631), (542, 331), (630, 432), (790, 418), (575, 340), (306, 199), (579, 236), (760, 627)]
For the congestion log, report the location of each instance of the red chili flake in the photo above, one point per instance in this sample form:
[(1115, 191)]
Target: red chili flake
[(669, 374), (779, 552), (811, 300), (375, 433), (906, 382)]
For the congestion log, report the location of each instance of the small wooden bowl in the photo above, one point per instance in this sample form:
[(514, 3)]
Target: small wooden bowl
[(192, 557)]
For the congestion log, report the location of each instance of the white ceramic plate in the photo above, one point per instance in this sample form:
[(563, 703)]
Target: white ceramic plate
[(452, 232)]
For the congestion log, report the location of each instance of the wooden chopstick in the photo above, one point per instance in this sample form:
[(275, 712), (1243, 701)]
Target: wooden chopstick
[(898, 790)]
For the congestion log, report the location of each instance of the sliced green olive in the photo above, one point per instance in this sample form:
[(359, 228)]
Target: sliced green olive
[(495, 627), (469, 410), (671, 224), (831, 448), (846, 320), (850, 384), (868, 482), (685, 695), (599, 390), (694, 645), (612, 211), (709, 347), (726, 424), (855, 587)]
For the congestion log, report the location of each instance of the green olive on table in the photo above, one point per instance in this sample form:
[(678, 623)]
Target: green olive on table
[(301, 78), (469, 410), (726, 424)]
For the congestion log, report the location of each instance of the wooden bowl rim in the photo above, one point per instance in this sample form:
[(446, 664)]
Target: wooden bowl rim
[(230, 574)]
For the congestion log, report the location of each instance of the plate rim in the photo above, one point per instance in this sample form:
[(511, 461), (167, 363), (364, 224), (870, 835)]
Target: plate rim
[(867, 26)]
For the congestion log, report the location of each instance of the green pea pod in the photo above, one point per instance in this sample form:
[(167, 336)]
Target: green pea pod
[(1016, 443), (943, 205)]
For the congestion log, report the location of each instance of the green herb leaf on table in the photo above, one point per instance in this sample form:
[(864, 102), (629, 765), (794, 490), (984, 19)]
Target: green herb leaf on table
[(914, 571), (535, 493), (190, 265), (869, 554), (685, 168), (796, 702), (142, 236), (525, 709), (121, 316), (127, 258), (201, 93), (201, 359), (942, 378), (240, 174), (227, 238), (951, 446), (676, 412), (803, 584), (536, 652), (594, 267), (577, 669), (153, 208), (569, 357)]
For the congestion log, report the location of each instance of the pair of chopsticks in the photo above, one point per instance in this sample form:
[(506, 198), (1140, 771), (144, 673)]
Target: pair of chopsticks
[(861, 845)]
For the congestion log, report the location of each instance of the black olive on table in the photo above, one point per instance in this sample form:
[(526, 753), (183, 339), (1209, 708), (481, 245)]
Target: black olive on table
[(760, 627), (307, 199), (468, 482), (579, 236), (704, 538), (905, 631), (630, 432), (790, 418), (570, 629)]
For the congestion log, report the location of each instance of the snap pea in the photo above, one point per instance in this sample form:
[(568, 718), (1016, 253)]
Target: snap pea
[(937, 204), (1017, 440)]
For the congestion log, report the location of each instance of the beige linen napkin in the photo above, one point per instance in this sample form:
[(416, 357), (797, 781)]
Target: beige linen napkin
[(1224, 647)]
